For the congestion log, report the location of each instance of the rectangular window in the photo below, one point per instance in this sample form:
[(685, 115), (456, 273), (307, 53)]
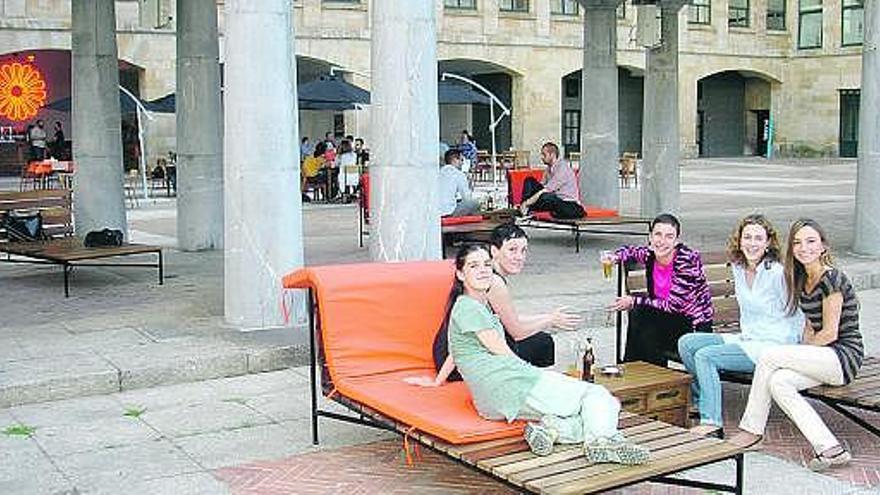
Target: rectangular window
[(700, 12), (513, 5), (853, 22), (776, 15), (810, 24), (571, 130), (738, 13), (566, 7), (621, 11), (460, 4)]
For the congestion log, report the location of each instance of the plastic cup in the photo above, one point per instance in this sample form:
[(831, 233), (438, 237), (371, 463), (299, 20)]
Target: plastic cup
[(607, 260)]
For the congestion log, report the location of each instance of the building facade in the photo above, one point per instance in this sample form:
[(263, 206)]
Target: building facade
[(753, 73)]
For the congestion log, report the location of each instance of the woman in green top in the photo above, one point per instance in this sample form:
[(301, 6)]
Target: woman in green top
[(504, 387)]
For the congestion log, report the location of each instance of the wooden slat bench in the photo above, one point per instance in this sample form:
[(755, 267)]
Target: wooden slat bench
[(632, 280), (62, 248), (863, 393), (371, 325)]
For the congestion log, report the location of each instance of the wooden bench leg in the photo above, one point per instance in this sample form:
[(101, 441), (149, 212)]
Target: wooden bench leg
[(67, 269), (161, 269), (313, 365)]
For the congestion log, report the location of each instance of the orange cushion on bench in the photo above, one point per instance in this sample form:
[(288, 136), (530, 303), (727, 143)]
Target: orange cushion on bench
[(460, 220), (597, 212), (378, 322), (516, 179), (589, 212)]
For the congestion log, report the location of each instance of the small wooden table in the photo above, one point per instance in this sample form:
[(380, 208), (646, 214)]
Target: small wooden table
[(651, 391)]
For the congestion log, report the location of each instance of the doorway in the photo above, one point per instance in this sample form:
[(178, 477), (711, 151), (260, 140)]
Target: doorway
[(849, 122), (762, 131)]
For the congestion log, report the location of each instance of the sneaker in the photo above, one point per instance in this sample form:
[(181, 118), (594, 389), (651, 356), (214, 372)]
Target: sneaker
[(822, 462), (539, 438), (616, 450)]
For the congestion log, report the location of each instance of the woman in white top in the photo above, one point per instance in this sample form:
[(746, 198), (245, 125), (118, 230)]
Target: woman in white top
[(348, 172), (753, 249)]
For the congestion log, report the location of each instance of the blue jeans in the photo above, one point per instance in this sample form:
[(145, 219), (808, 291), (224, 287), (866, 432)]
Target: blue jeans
[(704, 355)]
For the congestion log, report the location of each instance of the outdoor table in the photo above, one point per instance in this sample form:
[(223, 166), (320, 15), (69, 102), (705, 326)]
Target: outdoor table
[(43, 170)]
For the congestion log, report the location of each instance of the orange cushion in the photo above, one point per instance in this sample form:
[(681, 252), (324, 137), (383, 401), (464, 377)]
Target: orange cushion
[(378, 322), (445, 412), (589, 212), (461, 220), (597, 212), (515, 180)]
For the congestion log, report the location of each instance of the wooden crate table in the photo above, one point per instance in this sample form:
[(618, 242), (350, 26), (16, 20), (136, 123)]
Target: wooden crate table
[(651, 391)]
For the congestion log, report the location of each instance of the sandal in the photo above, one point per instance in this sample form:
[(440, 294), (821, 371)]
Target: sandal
[(617, 451), (539, 438), (822, 461)]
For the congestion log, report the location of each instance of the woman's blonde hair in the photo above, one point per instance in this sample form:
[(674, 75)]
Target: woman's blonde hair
[(734, 250)]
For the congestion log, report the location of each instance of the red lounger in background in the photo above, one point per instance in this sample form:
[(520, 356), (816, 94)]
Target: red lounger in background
[(376, 326)]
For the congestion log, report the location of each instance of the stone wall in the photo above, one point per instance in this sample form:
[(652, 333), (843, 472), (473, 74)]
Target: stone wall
[(536, 49)]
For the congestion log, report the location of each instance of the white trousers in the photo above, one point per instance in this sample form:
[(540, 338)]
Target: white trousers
[(781, 373), (580, 411)]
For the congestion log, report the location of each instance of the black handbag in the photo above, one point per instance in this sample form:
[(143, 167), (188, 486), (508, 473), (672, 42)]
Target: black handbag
[(23, 225), (103, 238)]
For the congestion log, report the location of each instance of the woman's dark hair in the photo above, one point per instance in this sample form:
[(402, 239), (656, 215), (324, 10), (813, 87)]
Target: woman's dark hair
[(320, 148), (345, 147), (506, 232), (668, 219), (441, 341), (795, 273)]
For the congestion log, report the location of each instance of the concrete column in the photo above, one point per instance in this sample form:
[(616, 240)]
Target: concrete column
[(599, 140), (867, 239), (97, 139), (660, 135), (199, 128), (263, 209), (405, 222)]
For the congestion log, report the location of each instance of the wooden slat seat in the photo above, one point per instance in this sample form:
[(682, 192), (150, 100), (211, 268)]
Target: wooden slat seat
[(61, 248), (719, 278)]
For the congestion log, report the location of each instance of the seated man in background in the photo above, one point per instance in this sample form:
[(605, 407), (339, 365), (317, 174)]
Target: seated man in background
[(557, 192), (454, 191)]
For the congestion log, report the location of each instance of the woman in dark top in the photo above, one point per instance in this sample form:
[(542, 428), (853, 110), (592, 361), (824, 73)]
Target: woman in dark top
[(678, 299), (830, 353)]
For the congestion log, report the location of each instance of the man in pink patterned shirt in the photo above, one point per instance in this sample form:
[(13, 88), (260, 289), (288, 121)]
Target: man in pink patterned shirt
[(557, 192)]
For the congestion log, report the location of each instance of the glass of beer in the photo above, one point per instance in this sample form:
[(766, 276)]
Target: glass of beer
[(607, 259)]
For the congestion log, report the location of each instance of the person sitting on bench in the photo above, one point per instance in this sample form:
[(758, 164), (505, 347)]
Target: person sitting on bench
[(504, 387), (509, 246), (557, 192), (678, 299), (759, 282), (453, 189), (831, 350)]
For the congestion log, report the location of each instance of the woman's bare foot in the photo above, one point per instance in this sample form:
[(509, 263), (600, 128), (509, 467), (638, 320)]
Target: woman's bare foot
[(745, 439)]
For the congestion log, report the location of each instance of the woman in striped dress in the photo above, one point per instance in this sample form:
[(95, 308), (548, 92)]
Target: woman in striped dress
[(678, 299), (830, 353)]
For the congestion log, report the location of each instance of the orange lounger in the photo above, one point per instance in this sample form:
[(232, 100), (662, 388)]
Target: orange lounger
[(376, 323)]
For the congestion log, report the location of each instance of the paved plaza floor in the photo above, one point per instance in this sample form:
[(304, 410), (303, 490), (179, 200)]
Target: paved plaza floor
[(132, 386)]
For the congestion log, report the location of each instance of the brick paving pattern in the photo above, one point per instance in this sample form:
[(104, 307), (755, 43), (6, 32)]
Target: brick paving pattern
[(379, 467), (373, 468)]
